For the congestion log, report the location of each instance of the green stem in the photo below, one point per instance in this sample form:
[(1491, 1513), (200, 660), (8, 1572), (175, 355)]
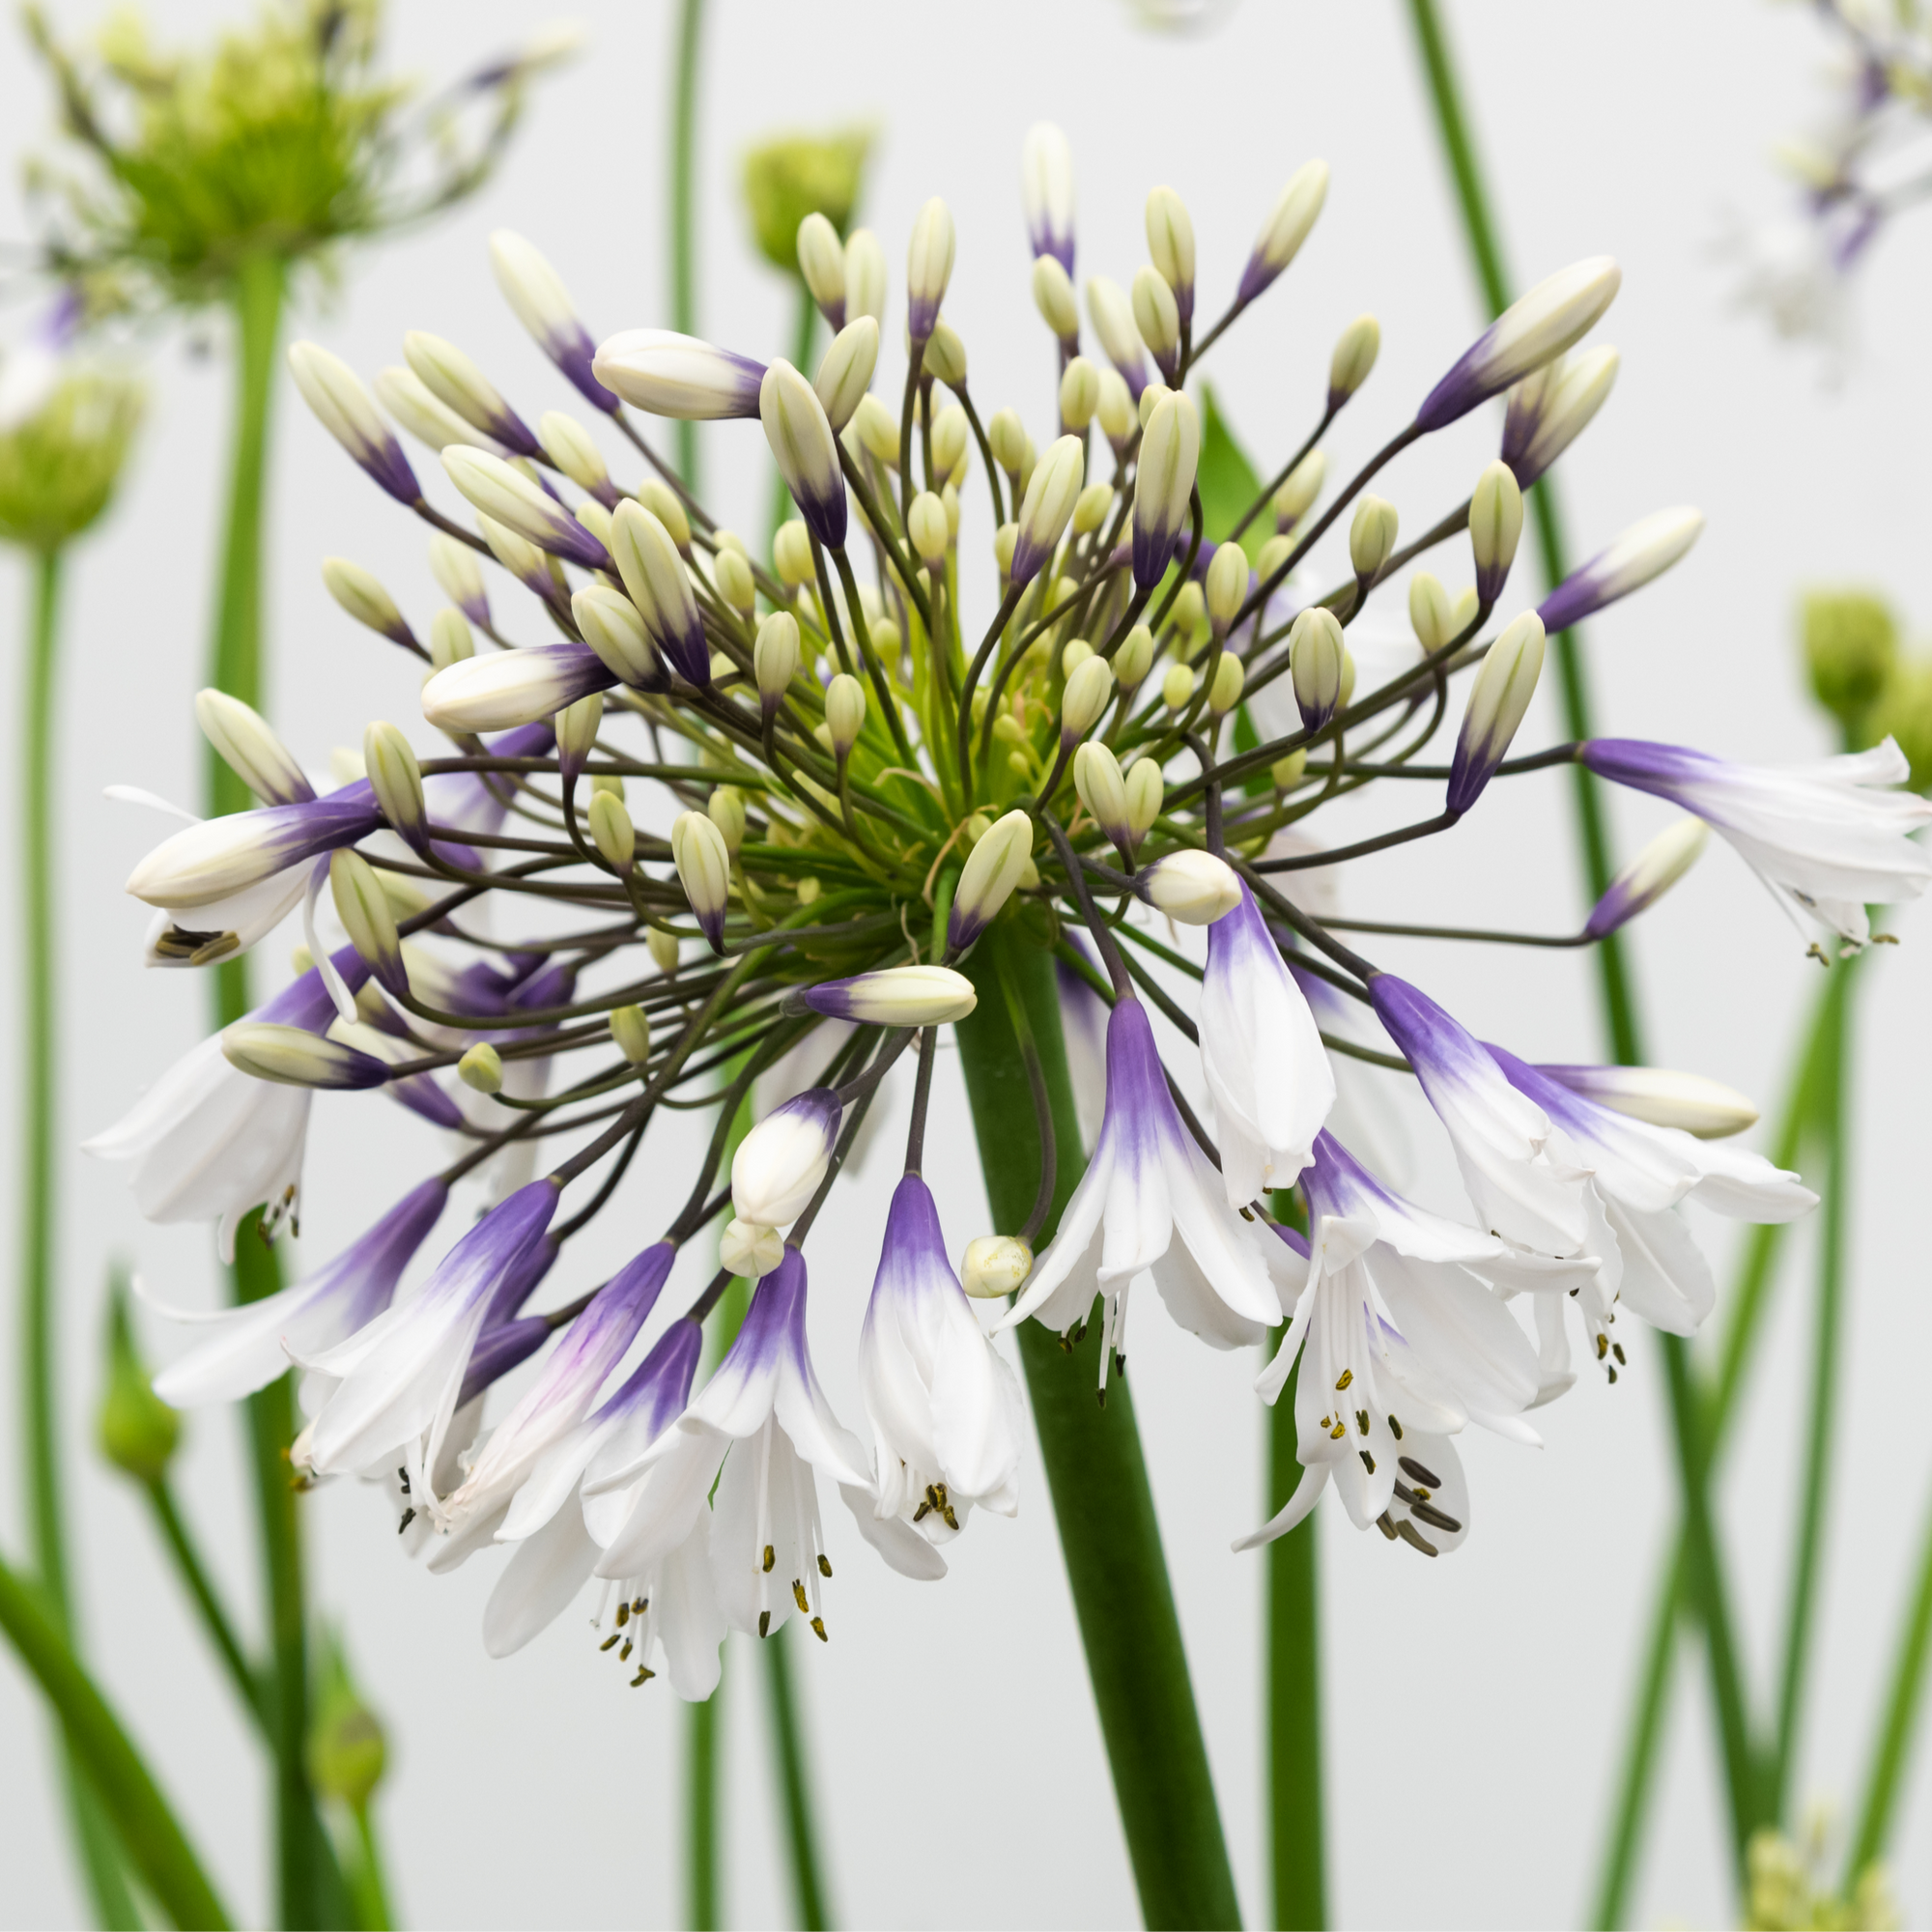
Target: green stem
[(1293, 1693), (795, 1789), (308, 1885), (1901, 1709), (1830, 1123), (1746, 1306), (1102, 1504), (39, 1138), (704, 1909), (200, 1586), (364, 1874), (148, 1833), (684, 205)]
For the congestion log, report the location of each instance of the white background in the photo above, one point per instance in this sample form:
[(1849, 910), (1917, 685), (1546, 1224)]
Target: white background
[(1473, 1707)]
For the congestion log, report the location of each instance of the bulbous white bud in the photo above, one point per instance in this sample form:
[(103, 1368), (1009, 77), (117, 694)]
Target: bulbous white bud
[(481, 1068), (1227, 586), (1147, 791), (573, 450), (631, 1029), (612, 832), (1170, 236), (1090, 507), (610, 624), (846, 372), (821, 262), (1158, 319), (946, 354), (844, 713), (1194, 888), (1225, 692), (396, 778), (1090, 690), (705, 871), (949, 431), (247, 745), (925, 525), (1135, 657), (747, 1249), (1176, 687), (993, 868), (1355, 351), (995, 1266), (1495, 524), (1314, 659), (1430, 614), (1053, 296), (1079, 389), (791, 555), (1047, 506)]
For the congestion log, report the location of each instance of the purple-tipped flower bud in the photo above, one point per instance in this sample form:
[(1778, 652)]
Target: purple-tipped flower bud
[(512, 688), (1113, 318), (928, 266), (1531, 331), (896, 995), (1047, 507), (456, 381), (659, 587), (1649, 876), (1170, 235), (678, 376), (512, 499), (780, 1162), (805, 450), (1158, 319), (1646, 549), (1503, 688), (821, 262), (247, 745), (1316, 654), (294, 1056), (348, 411), (1285, 230), (1046, 193), (542, 306), (1549, 410), (703, 865), (1495, 525), (993, 868), (845, 373), (1170, 455)]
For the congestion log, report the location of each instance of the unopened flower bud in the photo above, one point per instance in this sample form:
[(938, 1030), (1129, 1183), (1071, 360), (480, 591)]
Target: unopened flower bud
[(294, 1056), (1274, 556), (1644, 551), (663, 949), (1495, 524), (542, 306), (1551, 408), (821, 262), (925, 525), (1850, 649), (806, 451), (1147, 791), (945, 355), (631, 1029), (1176, 687), (894, 996), (424, 415), (994, 1265), (704, 871), (1286, 773), (665, 505), (1158, 319), (658, 584), (612, 832), (576, 726), (137, 1432), (1285, 230), (1089, 691), (1225, 692), (748, 1250), (1296, 496), (366, 600), (346, 1750), (457, 383), (993, 868), (1371, 537), (595, 519), (1430, 614), (1170, 235), (678, 376), (481, 1068), (780, 1162), (1315, 654), (573, 450), (1113, 318), (348, 411), (1706, 1108), (865, 276), (1194, 888), (610, 624), (1227, 585), (1150, 399), (1115, 410), (1503, 688), (396, 780), (732, 575), (1104, 791), (1135, 657), (1006, 540), (1170, 454), (1006, 436), (1047, 507), (877, 429), (949, 431), (247, 745), (928, 266), (845, 371), (1354, 356), (1091, 506), (506, 495), (887, 644), (725, 809), (1053, 296), (1649, 876), (1531, 331), (460, 577), (1190, 610), (1079, 390), (791, 555), (844, 713)]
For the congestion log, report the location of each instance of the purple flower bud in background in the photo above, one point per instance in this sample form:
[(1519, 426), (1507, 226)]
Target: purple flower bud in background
[(1646, 549), (532, 287), (348, 411), (1046, 192)]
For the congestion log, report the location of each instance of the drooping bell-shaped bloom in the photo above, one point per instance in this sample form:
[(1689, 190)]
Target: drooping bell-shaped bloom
[(1639, 1175), (400, 1374), (245, 1348), (1828, 838), (1266, 1069), (560, 1397), (1398, 1337), (764, 1417), (1149, 1202), (208, 1142), (1498, 1134), (945, 1407), (668, 1609)]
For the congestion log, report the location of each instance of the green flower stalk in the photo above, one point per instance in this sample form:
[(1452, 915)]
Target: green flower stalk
[(900, 772), (60, 459)]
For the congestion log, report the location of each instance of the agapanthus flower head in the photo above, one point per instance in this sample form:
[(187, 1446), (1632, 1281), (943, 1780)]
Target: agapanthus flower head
[(760, 824)]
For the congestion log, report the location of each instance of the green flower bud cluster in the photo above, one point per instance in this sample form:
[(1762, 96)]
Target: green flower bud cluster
[(58, 470)]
